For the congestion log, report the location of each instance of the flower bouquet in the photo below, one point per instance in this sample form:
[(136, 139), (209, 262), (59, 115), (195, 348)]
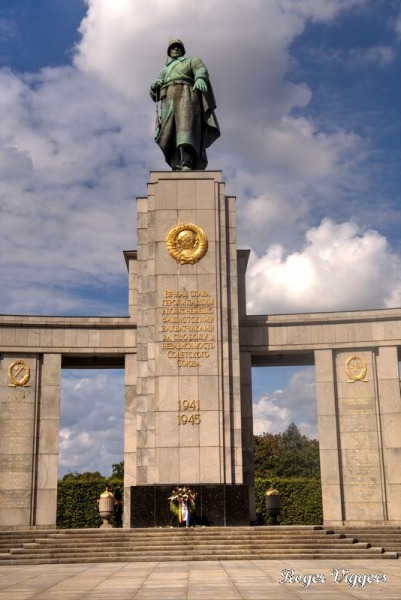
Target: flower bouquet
[(182, 503)]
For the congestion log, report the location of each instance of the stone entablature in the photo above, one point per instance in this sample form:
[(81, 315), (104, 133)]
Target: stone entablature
[(306, 332), (65, 335), (258, 333)]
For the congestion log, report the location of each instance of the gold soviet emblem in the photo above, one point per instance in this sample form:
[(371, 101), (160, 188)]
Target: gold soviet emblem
[(18, 373), (356, 368), (187, 244)]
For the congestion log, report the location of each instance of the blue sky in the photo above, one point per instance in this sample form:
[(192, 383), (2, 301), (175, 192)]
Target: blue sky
[(308, 96)]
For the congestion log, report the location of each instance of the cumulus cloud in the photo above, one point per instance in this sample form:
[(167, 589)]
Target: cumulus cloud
[(259, 97), (68, 163), (339, 268), (91, 423), (296, 403), (77, 145)]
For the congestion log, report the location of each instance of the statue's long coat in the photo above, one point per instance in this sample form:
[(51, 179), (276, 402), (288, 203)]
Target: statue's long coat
[(187, 115)]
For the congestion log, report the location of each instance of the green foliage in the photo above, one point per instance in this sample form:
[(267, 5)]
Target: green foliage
[(77, 496), (174, 509), (301, 499), (290, 462), (117, 470), (88, 477), (287, 454)]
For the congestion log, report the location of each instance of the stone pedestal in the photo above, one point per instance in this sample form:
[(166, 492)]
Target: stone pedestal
[(217, 505), (188, 406)]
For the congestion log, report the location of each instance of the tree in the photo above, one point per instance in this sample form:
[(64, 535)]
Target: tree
[(117, 470), (78, 494), (87, 477), (266, 449), (287, 454)]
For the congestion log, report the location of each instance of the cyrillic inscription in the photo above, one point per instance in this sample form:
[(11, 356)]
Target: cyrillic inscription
[(15, 499), (188, 328), (16, 463)]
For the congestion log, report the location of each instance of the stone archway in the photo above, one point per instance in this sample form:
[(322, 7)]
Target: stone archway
[(188, 337)]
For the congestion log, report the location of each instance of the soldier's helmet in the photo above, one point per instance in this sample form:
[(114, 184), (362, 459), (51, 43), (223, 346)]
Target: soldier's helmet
[(173, 43)]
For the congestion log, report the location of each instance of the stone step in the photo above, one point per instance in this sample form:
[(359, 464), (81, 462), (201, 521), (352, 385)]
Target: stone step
[(389, 537), (189, 544), (185, 532), (190, 548), (156, 552), (215, 531), (190, 539), (170, 558), (195, 551), (113, 545)]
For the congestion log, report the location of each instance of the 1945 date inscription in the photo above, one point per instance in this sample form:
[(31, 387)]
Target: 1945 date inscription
[(188, 412)]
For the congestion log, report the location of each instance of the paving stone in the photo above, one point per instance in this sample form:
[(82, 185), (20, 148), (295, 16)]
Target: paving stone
[(218, 580)]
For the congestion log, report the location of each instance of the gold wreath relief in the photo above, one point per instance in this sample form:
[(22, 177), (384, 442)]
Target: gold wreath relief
[(187, 243), (18, 373), (356, 368)]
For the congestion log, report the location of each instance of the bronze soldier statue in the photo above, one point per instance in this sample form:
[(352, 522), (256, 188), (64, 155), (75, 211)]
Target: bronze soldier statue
[(187, 124)]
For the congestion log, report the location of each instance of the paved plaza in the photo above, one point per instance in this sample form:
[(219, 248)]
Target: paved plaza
[(225, 580)]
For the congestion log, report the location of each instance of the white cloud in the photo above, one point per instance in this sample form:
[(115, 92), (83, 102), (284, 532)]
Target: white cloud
[(273, 412), (91, 424), (68, 164), (380, 55), (76, 146), (77, 142), (339, 268), (324, 10), (397, 25), (8, 30), (259, 97)]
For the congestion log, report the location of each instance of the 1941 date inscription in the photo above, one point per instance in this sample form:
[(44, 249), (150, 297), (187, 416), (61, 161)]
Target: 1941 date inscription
[(188, 412)]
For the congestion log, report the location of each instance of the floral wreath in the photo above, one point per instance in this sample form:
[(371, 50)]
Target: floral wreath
[(180, 495)]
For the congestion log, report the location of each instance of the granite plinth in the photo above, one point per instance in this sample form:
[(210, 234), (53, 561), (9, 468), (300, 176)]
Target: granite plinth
[(216, 504)]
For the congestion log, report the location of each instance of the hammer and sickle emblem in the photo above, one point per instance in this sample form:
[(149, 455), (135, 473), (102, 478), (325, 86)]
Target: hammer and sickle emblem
[(19, 373), (187, 243), (356, 368)]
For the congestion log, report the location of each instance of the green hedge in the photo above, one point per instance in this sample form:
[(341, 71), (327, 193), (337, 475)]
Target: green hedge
[(77, 505), (301, 499)]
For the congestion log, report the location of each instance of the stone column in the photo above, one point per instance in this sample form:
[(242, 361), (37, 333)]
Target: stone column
[(18, 438), (390, 417), (360, 437), (45, 509), (248, 452), (328, 438), (130, 434), (359, 410), (188, 397), (189, 412), (29, 439)]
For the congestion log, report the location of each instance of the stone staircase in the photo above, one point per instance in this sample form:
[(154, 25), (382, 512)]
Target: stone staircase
[(389, 537), (212, 543)]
